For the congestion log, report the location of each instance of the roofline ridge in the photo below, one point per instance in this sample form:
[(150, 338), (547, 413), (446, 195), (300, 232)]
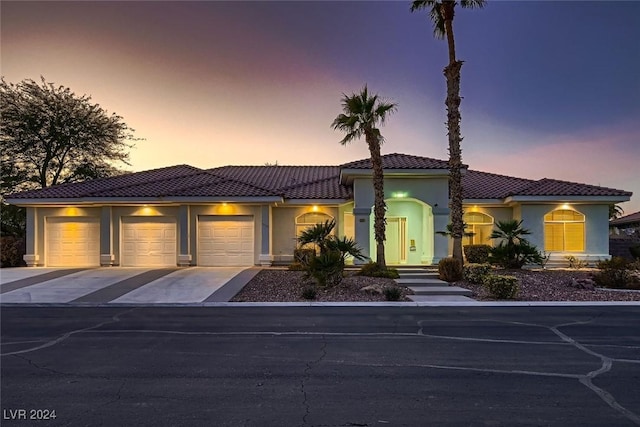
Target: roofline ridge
[(195, 171), (504, 176)]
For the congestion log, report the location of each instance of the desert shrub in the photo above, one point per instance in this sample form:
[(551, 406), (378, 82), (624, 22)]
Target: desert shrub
[(477, 254), (326, 268), (635, 265), (614, 273), (450, 269), (303, 256), (514, 250), (309, 292), (392, 293), (372, 269), (11, 252), (475, 273), (296, 266), (501, 287), (635, 251), (576, 263)]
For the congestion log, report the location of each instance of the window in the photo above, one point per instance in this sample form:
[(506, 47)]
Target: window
[(481, 225), (310, 219), (564, 231)]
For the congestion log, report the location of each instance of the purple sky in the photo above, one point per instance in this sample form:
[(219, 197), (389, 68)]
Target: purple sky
[(551, 89)]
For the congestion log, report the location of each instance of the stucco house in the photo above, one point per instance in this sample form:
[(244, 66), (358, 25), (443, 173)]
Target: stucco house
[(251, 215)]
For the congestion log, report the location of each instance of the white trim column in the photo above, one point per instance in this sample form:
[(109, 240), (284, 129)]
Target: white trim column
[(265, 259), (31, 256), (107, 258), (362, 230), (184, 251)]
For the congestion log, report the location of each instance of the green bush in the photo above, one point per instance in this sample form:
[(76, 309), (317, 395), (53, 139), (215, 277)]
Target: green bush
[(475, 273), (392, 293), (11, 252), (501, 287), (303, 256), (327, 268), (450, 270), (635, 251), (477, 254), (309, 292), (614, 273), (514, 250), (372, 269)]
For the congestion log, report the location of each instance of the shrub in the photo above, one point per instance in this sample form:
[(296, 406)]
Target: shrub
[(635, 251), (11, 252), (477, 254), (326, 268), (514, 250), (309, 292), (501, 287), (296, 266), (576, 263), (392, 293), (475, 273), (371, 269), (450, 269), (614, 273), (303, 256)]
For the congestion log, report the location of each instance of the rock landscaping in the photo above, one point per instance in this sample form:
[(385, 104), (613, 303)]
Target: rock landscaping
[(281, 285)]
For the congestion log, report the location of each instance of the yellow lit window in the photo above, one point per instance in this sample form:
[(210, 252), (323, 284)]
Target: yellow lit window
[(310, 219), (564, 231), (481, 225)]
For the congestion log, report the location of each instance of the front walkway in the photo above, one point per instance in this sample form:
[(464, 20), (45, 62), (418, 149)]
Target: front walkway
[(118, 285)]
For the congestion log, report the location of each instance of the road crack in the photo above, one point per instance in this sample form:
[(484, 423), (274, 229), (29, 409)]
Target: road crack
[(307, 376)]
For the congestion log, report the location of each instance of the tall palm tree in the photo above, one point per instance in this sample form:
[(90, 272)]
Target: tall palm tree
[(362, 113), (441, 13)]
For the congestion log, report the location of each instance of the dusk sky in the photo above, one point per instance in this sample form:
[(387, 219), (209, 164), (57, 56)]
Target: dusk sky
[(550, 89)]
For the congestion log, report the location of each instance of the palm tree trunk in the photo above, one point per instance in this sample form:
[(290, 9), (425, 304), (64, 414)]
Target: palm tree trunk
[(379, 208), (452, 75)]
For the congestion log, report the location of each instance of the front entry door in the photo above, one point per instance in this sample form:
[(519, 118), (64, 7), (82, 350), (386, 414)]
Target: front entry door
[(395, 250)]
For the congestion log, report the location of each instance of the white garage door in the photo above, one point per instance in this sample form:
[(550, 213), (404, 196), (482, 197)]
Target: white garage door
[(72, 242), (225, 241), (149, 242)]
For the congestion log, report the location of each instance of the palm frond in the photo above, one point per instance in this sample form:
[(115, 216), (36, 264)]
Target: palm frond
[(473, 4)]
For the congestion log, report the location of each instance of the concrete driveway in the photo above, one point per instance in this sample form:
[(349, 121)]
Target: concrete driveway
[(119, 285)]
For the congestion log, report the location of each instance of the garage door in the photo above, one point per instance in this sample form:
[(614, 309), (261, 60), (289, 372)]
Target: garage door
[(148, 242), (225, 241), (72, 242)]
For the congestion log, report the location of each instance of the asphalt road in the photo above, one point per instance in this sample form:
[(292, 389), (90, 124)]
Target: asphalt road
[(321, 366)]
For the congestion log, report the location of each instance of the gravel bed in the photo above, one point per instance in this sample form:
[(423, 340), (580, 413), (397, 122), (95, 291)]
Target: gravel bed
[(552, 285), (271, 285), (279, 285)]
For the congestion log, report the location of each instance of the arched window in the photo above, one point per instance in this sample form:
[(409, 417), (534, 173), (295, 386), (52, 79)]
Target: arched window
[(481, 225), (564, 231), (310, 219)]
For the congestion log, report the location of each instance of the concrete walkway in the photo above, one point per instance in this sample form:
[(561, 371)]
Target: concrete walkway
[(427, 287), (119, 285)]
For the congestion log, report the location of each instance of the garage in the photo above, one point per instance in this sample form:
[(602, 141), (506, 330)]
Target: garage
[(225, 241), (72, 241), (149, 242)]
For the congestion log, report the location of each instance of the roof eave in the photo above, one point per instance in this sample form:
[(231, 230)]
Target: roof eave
[(566, 199), (140, 200)]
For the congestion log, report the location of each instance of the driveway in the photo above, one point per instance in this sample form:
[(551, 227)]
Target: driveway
[(118, 285)]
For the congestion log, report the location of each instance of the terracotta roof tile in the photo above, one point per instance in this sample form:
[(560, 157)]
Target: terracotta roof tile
[(400, 161), (627, 219), (297, 182)]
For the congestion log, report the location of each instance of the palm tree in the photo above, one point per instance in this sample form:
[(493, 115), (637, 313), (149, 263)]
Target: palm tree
[(362, 113), (441, 13)]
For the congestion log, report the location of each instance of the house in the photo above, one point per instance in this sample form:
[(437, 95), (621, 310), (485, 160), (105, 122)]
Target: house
[(626, 225), (251, 215)]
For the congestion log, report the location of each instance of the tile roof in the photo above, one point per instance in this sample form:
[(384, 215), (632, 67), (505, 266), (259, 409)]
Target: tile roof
[(400, 161), (296, 182), (627, 219)]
